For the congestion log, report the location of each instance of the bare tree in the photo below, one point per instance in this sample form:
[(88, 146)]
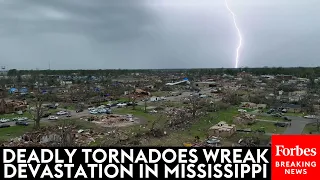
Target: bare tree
[(232, 97), (195, 105), (132, 97), (37, 111), (145, 105)]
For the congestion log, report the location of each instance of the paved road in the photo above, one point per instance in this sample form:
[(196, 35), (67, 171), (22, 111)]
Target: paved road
[(72, 112), (264, 120), (298, 124)]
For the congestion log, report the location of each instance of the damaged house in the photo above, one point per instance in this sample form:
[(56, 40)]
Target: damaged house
[(11, 106)]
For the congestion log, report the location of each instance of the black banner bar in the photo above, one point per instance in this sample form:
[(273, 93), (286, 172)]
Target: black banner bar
[(142, 163)]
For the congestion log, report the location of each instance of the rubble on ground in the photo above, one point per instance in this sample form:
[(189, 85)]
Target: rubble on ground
[(245, 118), (211, 141), (54, 137), (112, 119), (178, 117)]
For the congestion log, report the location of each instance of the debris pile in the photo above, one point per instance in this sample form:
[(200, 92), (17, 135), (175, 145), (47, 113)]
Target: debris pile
[(209, 142), (112, 120), (249, 142), (54, 137), (245, 118), (178, 118)]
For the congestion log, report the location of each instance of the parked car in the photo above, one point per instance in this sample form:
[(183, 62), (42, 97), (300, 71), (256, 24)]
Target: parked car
[(4, 125), (53, 118), (62, 113), (119, 105), (286, 118), (131, 104), (46, 115), (310, 116), (4, 120), (22, 119), (108, 111), (270, 111), (242, 110), (22, 123), (93, 112), (277, 115), (102, 110), (79, 110), (69, 115), (281, 124)]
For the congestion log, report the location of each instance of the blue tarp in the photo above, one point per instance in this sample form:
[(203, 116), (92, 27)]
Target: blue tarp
[(23, 90), (13, 90)]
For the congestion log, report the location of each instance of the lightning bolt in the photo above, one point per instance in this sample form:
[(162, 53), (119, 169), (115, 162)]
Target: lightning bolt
[(239, 33)]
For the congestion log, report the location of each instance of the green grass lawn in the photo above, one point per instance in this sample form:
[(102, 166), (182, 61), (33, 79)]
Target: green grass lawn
[(71, 107), (312, 127), (272, 118), (293, 114), (138, 112), (16, 131), (53, 111), (200, 128), (13, 131), (269, 127), (14, 115)]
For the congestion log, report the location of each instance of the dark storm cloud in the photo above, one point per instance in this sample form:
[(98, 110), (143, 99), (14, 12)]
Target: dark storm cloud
[(103, 20), (156, 33)]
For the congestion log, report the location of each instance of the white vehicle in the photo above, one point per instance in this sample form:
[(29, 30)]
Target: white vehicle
[(121, 105), (163, 98), (310, 116), (93, 112), (242, 110), (153, 111), (102, 107), (102, 110), (203, 96), (53, 118), (62, 113), (4, 120)]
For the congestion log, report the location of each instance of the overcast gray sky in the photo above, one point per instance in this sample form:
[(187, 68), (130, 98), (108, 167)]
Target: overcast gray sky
[(103, 34)]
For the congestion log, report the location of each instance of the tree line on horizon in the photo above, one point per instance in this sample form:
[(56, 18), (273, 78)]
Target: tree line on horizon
[(295, 71)]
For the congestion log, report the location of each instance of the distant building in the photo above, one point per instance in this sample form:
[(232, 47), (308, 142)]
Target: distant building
[(205, 84), (3, 71)]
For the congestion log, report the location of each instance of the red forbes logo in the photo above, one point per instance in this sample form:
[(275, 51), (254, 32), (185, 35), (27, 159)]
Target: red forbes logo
[(295, 157), (281, 150)]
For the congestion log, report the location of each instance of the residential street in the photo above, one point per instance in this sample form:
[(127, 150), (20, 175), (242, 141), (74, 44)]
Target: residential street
[(297, 124)]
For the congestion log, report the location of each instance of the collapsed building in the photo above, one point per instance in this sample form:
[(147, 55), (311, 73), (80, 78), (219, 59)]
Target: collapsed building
[(11, 106), (245, 119), (110, 120), (222, 129)]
